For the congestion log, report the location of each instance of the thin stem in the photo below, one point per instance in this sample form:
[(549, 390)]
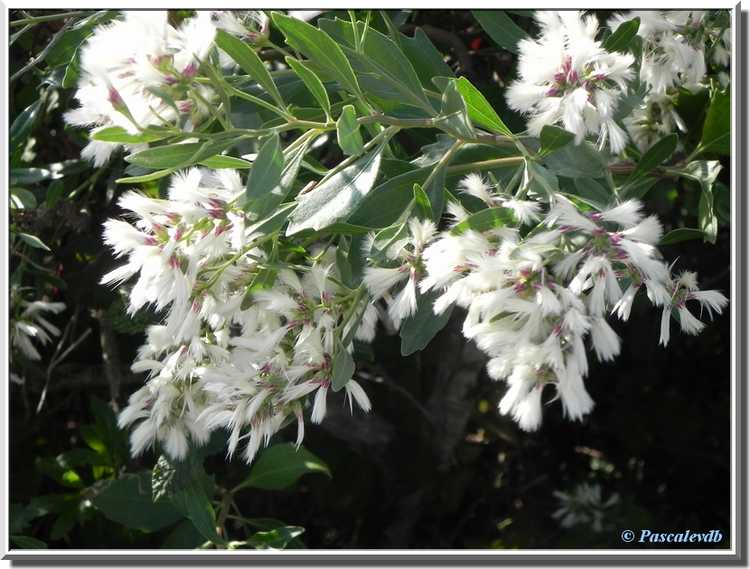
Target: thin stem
[(258, 101), (50, 18), (43, 54), (486, 164)]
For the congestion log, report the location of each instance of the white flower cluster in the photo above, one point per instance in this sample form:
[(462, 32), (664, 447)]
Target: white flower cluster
[(568, 78), (404, 257), (534, 301), (28, 325), (673, 56), (230, 353), (129, 65)]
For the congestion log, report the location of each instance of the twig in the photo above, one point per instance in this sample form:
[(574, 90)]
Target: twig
[(56, 359), (43, 54)]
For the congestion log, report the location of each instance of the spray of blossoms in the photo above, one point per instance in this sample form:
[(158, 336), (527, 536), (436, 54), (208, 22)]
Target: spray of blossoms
[(673, 57), (244, 340), (538, 302), (139, 71), (566, 77)]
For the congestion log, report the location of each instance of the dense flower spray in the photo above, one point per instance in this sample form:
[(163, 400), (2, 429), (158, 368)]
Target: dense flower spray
[(234, 350), (537, 302)]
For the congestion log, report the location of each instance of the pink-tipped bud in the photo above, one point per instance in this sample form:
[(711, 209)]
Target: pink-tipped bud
[(185, 106), (191, 70)]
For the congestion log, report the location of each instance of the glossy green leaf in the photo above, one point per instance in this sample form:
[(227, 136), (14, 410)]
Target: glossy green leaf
[(338, 196), (705, 173), (387, 201), (250, 63), (348, 132), (33, 241), (282, 465), (312, 82), (576, 161), (716, 135), (21, 198), (220, 161), (419, 329), (553, 138), (380, 56), (681, 234), (422, 203), (480, 110), (622, 36), (23, 123), (454, 117), (145, 177), (265, 175), (120, 135), (127, 501), (343, 368), (594, 193), (498, 25), (318, 46), (173, 156), (484, 220), (267, 203), (655, 156)]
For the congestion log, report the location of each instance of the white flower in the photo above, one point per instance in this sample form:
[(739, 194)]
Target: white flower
[(568, 78), (28, 326)]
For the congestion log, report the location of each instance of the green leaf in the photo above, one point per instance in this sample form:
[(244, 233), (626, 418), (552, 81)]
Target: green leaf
[(33, 241), (347, 131), (21, 198), (716, 135), (500, 28), (593, 193), (419, 329), (427, 61), (72, 71), (422, 203), (23, 123), (622, 36), (454, 117), (27, 542), (220, 161), (278, 538), (705, 173), (183, 536), (380, 56), (553, 138), (318, 46), (480, 110), (158, 174), (270, 201), (637, 189), (174, 156), (343, 368), (193, 503), (485, 220), (336, 197), (122, 136), (127, 501), (250, 63), (265, 175), (654, 156), (577, 161), (312, 82), (681, 234), (282, 465), (387, 201)]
